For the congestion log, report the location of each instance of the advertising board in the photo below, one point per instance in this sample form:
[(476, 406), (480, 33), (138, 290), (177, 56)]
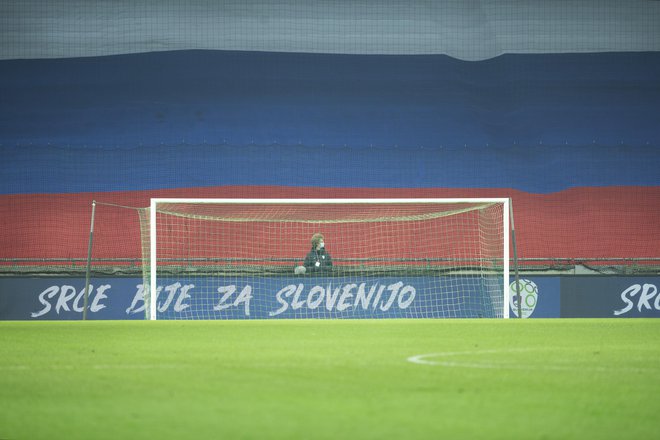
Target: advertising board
[(288, 297), (610, 297)]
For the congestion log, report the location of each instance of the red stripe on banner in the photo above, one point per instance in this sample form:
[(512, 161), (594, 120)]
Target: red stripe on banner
[(578, 223)]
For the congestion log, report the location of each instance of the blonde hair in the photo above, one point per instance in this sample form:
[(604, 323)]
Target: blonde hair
[(316, 239)]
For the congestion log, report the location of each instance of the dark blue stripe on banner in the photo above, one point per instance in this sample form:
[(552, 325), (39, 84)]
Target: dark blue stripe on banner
[(537, 123), (537, 170), (320, 99)]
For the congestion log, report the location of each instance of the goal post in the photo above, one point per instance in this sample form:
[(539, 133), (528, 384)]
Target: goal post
[(379, 258)]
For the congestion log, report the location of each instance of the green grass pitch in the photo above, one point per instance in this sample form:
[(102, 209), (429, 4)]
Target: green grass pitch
[(331, 379)]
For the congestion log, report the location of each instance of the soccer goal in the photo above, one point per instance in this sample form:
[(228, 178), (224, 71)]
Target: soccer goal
[(327, 258)]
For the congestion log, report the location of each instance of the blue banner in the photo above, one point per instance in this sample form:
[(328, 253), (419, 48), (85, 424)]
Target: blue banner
[(610, 297), (248, 298), (54, 298), (62, 298)]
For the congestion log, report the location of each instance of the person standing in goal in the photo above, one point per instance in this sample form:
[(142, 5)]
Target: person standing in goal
[(318, 259)]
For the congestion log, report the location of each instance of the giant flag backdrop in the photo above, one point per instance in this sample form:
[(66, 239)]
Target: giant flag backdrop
[(555, 104)]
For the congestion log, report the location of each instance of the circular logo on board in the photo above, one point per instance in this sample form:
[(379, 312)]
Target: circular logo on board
[(528, 293)]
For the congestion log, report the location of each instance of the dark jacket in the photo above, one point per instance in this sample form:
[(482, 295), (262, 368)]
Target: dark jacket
[(322, 257)]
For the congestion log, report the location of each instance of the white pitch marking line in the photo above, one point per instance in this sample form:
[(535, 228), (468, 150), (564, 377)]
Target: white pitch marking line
[(436, 359)]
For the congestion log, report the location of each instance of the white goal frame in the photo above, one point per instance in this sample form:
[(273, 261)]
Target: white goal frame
[(506, 214)]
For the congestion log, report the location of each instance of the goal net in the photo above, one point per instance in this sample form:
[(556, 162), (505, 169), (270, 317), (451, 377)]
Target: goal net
[(330, 258)]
